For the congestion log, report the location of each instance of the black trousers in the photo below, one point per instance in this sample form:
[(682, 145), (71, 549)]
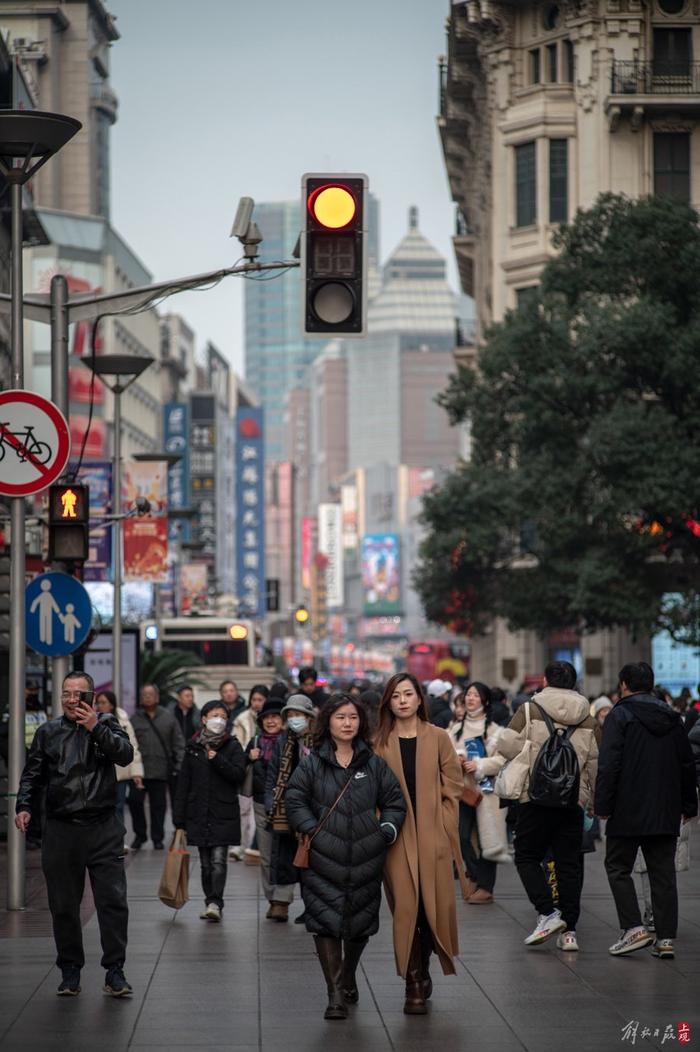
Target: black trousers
[(559, 829), (481, 871), (214, 864), (660, 856), (68, 852), (157, 793)]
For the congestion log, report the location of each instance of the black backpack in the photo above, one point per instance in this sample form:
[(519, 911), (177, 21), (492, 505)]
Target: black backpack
[(555, 775)]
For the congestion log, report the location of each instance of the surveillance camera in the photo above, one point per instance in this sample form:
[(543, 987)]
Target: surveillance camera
[(143, 505), (244, 214)]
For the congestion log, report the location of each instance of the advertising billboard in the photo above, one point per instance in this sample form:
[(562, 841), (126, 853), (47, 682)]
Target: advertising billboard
[(330, 543), (381, 578), (176, 428), (250, 513), (97, 476)]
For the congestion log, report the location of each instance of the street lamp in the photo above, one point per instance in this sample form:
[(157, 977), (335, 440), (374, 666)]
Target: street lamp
[(28, 139), (123, 369)]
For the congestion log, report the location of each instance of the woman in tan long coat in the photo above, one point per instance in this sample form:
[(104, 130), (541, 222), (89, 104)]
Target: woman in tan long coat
[(418, 875)]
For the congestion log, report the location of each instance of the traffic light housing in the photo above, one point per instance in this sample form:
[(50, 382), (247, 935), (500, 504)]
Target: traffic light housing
[(334, 254), (301, 615), (69, 523)]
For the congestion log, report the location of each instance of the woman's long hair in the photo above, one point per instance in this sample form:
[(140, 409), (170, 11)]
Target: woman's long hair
[(386, 716), (322, 731)]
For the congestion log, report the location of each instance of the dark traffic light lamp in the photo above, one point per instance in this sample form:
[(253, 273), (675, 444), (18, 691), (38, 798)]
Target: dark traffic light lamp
[(69, 523), (334, 254)]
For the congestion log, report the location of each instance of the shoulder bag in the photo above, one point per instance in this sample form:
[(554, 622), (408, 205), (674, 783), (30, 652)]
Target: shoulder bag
[(301, 859)]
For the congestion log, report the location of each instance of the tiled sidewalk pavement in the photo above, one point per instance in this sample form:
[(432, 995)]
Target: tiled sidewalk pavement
[(249, 984)]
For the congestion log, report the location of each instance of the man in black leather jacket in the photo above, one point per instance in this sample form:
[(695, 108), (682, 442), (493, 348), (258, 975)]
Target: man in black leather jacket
[(72, 759)]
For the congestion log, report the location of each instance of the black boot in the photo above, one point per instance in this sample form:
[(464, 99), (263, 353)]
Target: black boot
[(330, 954), (426, 948), (352, 951), (415, 990)]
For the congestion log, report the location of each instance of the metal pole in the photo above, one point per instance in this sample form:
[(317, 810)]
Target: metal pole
[(177, 582), (16, 892), (59, 396), (158, 610), (117, 549)]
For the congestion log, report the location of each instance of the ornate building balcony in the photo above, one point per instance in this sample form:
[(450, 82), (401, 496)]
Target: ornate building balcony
[(639, 88)]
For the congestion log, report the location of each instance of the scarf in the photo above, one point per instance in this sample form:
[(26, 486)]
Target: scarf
[(213, 741), (266, 744), (286, 769)]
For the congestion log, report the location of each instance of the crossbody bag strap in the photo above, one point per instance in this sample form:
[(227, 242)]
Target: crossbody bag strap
[(330, 811), (160, 738)]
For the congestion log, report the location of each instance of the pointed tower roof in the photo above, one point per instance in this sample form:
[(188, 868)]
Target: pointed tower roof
[(415, 296)]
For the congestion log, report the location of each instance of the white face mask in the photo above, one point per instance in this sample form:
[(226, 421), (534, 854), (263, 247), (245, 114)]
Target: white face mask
[(298, 724), (216, 724)]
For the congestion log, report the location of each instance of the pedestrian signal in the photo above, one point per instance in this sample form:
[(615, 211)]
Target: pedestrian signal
[(334, 254), (69, 523)]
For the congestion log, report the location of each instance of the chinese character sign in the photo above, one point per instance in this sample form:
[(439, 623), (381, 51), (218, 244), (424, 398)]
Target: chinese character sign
[(380, 573), (176, 425), (331, 544), (250, 513)]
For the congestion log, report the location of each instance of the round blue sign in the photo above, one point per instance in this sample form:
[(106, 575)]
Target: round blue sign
[(58, 614)]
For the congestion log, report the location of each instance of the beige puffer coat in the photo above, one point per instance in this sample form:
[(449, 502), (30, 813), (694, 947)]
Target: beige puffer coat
[(565, 708)]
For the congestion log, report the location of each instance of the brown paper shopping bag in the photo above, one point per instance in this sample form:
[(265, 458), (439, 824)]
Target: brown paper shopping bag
[(174, 882)]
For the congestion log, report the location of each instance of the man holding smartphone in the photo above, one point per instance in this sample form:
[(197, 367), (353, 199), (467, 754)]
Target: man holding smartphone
[(72, 759)]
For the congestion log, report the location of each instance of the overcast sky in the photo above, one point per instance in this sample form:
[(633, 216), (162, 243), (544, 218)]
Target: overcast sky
[(224, 98)]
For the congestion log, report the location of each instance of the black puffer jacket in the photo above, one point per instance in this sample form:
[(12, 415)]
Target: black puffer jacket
[(260, 767), (694, 739), (76, 767), (646, 774), (206, 800), (342, 887)]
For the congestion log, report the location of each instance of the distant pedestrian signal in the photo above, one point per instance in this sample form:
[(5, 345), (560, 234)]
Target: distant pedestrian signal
[(69, 523), (334, 254)]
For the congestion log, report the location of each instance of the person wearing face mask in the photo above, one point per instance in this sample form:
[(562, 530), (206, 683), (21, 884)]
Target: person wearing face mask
[(294, 743), (206, 801), (482, 829)]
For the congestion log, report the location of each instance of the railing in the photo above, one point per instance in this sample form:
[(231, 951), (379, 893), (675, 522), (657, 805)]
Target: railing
[(656, 78)]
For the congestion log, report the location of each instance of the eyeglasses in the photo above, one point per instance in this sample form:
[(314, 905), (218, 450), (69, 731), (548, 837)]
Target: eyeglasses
[(76, 695)]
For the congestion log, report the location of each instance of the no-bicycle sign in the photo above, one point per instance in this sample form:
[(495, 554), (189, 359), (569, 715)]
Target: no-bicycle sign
[(34, 443)]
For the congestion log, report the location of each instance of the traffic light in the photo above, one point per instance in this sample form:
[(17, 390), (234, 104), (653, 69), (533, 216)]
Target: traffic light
[(69, 523), (334, 254), (301, 615)]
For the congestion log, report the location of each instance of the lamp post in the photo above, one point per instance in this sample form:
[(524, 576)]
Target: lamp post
[(123, 369), (28, 139)]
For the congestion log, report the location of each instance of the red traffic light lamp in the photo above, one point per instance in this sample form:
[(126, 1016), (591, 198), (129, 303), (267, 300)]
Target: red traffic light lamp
[(334, 254), (69, 522)]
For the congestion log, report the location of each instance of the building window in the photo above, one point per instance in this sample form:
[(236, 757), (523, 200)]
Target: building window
[(558, 180), (552, 72), (672, 7), (535, 66), (525, 185), (569, 72), (552, 16), (673, 52), (525, 296), (672, 165)]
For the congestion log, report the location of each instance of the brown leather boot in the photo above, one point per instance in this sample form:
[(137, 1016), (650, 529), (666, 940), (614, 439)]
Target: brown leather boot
[(330, 954), (352, 951), (425, 952), (415, 990), (278, 911)]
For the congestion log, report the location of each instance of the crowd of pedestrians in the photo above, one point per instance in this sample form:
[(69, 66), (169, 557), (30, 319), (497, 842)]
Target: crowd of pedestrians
[(422, 789)]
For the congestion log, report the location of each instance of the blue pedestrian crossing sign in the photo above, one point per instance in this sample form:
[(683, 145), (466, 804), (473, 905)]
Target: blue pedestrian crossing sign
[(58, 614)]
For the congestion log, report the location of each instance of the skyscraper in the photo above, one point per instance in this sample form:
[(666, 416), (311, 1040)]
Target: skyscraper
[(276, 353)]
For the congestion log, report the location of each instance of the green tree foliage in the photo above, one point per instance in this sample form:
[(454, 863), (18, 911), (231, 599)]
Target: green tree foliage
[(581, 502), (169, 670)]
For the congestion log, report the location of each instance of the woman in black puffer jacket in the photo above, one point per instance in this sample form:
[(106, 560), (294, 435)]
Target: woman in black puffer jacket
[(206, 801), (342, 886)]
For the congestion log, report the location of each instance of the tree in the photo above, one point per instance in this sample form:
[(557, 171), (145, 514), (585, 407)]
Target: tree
[(169, 670), (580, 506)]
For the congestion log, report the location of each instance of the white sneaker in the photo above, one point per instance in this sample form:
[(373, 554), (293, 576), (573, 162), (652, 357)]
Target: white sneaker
[(663, 948), (212, 912), (236, 854), (631, 940), (567, 941), (546, 927)]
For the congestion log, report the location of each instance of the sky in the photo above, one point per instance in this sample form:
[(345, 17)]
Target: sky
[(220, 99)]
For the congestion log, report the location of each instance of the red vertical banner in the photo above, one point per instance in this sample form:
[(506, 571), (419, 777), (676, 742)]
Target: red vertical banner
[(146, 549)]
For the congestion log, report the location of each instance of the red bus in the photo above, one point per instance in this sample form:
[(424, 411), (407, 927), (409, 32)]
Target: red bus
[(439, 658)]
